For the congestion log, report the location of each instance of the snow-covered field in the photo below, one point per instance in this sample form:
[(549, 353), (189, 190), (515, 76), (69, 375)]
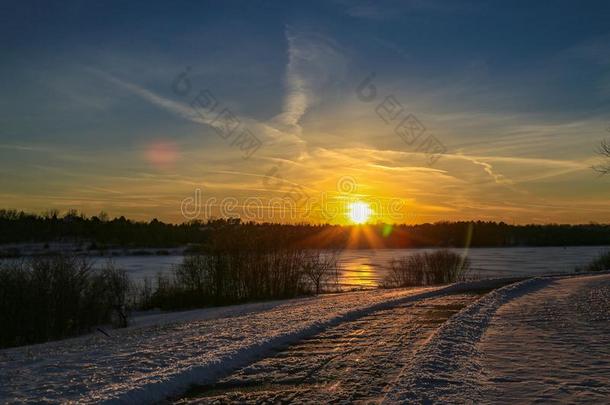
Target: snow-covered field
[(552, 345), (384, 345)]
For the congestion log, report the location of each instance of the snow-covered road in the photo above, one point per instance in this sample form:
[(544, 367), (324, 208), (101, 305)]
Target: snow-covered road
[(354, 361)]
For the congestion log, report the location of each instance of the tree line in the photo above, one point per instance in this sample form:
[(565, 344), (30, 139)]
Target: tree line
[(99, 231)]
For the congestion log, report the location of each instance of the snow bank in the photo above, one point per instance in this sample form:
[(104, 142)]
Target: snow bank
[(447, 369)]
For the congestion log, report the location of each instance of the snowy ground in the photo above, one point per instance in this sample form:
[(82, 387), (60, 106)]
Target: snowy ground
[(156, 358), (422, 345), (565, 331), (544, 340)]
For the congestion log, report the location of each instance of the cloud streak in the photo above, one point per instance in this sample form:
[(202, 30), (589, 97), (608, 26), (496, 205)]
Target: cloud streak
[(314, 62)]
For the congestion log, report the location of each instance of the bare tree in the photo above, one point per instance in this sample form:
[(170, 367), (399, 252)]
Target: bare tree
[(604, 150), (319, 267), (116, 289)]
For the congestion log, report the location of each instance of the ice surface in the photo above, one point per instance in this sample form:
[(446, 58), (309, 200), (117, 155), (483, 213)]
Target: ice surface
[(362, 268)]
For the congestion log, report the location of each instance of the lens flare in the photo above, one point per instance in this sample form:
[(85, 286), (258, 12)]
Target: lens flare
[(161, 153)]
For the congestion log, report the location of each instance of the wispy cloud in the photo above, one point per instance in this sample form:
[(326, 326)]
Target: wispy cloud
[(174, 107), (269, 133), (28, 148), (396, 9), (314, 62), (488, 168)]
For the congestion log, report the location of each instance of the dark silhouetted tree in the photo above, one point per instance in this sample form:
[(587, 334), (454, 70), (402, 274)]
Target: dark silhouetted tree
[(604, 151)]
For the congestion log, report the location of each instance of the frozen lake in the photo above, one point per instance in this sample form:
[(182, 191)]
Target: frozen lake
[(367, 267)]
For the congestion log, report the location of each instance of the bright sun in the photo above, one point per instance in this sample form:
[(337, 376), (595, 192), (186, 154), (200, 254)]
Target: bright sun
[(359, 212)]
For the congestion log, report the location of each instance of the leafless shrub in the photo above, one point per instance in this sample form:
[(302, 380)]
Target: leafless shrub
[(114, 289), (58, 296), (427, 268), (231, 276), (600, 263)]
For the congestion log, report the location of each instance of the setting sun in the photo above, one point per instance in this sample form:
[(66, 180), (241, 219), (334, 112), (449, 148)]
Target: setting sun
[(359, 212)]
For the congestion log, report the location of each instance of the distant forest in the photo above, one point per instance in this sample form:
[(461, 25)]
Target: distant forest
[(100, 231)]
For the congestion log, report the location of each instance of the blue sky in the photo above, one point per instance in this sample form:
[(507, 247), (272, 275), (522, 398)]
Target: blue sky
[(517, 93)]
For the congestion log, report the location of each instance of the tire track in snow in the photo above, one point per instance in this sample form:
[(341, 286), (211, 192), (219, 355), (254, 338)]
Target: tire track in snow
[(352, 361), (447, 368)]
